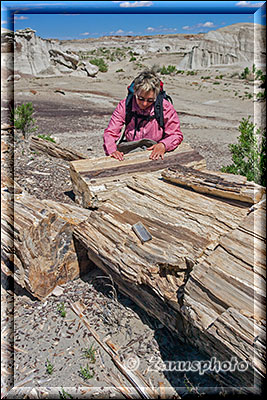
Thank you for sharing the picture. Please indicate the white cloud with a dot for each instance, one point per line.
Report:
(85, 34)
(3, 22)
(207, 24)
(20, 18)
(161, 29)
(135, 4)
(119, 32)
(249, 4)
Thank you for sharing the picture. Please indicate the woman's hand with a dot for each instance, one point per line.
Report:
(158, 151)
(118, 155)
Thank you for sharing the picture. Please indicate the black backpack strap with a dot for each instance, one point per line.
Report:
(158, 108)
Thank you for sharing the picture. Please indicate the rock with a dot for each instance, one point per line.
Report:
(229, 45)
(31, 52)
(89, 68)
(79, 72)
(37, 242)
(16, 77)
(94, 180)
(63, 58)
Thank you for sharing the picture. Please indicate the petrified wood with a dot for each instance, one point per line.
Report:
(184, 226)
(224, 298)
(197, 273)
(37, 242)
(94, 180)
(55, 150)
(220, 184)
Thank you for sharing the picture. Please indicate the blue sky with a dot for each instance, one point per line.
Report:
(85, 19)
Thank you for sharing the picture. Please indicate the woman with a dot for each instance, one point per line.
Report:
(146, 88)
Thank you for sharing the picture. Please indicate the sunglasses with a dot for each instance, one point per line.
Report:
(143, 99)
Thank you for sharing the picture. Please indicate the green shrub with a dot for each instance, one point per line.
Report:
(100, 63)
(191, 73)
(171, 69)
(249, 154)
(22, 118)
(46, 137)
(245, 73)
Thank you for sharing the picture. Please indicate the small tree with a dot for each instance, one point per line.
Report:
(249, 154)
(22, 118)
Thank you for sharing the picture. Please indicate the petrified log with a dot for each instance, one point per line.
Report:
(188, 231)
(184, 225)
(37, 242)
(224, 298)
(54, 150)
(224, 185)
(94, 180)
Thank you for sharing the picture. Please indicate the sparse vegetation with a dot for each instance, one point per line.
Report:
(49, 367)
(86, 372)
(61, 310)
(100, 63)
(90, 353)
(170, 70)
(22, 118)
(46, 137)
(255, 73)
(245, 73)
(64, 395)
(191, 73)
(249, 154)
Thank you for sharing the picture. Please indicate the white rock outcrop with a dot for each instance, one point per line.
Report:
(239, 44)
(229, 45)
(31, 52)
(33, 55)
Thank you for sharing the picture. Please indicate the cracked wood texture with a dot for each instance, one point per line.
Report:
(185, 226)
(168, 276)
(93, 180)
(54, 150)
(229, 186)
(224, 298)
(37, 242)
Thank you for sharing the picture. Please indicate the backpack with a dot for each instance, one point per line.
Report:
(139, 118)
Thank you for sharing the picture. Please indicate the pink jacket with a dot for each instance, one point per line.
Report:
(149, 129)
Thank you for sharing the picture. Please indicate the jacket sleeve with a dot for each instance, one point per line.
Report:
(173, 135)
(113, 132)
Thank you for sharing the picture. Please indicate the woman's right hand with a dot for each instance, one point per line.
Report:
(118, 155)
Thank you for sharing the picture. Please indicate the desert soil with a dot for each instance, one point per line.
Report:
(75, 111)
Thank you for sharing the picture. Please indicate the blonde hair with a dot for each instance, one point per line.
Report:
(146, 81)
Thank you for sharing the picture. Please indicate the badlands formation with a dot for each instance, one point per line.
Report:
(74, 100)
(207, 92)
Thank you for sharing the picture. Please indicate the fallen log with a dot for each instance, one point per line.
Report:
(224, 299)
(224, 185)
(184, 225)
(37, 243)
(93, 180)
(54, 150)
(187, 229)
(134, 377)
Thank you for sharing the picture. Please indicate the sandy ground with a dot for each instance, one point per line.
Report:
(210, 109)
(75, 111)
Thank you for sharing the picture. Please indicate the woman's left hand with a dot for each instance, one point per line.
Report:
(158, 151)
